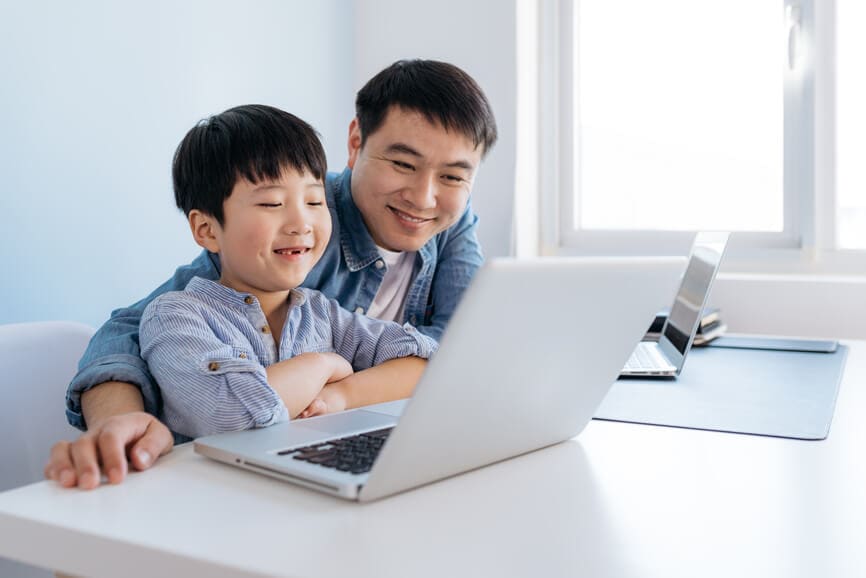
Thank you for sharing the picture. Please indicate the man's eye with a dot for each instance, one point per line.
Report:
(402, 165)
(453, 178)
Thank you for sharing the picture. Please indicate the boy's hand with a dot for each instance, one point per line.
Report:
(331, 399)
(135, 438)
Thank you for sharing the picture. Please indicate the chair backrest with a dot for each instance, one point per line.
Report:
(37, 361)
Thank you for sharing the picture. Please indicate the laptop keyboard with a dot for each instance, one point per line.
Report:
(354, 454)
(646, 357)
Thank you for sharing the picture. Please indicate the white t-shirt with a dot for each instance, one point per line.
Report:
(388, 304)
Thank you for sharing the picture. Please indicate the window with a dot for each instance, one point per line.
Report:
(657, 119)
(851, 126)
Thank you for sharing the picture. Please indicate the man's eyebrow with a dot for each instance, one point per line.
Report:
(399, 147)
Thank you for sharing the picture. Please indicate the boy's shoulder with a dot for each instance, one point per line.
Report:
(188, 299)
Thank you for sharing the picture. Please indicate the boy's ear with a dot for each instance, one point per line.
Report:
(354, 142)
(204, 227)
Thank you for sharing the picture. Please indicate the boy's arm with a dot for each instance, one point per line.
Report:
(384, 353)
(208, 385)
(393, 379)
(113, 354)
(459, 258)
(300, 379)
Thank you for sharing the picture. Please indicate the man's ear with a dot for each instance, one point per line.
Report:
(354, 142)
(204, 228)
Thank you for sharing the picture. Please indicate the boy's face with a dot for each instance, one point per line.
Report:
(273, 233)
(411, 179)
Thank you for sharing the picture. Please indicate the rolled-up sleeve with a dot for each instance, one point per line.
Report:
(367, 342)
(208, 386)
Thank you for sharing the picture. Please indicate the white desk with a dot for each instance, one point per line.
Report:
(622, 501)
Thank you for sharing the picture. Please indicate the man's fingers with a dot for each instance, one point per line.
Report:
(111, 444)
(83, 452)
(60, 467)
(156, 441)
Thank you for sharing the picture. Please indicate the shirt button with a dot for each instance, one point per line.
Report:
(243, 355)
(413, 320)
(213, 366)
(379, 264)
(359, 310)
(248, 300)
(266, 329)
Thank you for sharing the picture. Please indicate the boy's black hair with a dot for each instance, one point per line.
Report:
(255, 142)
(443, 93)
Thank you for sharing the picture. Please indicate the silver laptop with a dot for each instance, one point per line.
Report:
(531, 351)
(667, 357)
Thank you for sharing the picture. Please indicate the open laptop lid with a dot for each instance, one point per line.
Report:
(681, 325)
(531, 351)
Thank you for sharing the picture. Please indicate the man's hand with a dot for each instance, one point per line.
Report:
(137, 438)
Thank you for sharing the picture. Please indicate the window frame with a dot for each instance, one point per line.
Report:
(807, 242)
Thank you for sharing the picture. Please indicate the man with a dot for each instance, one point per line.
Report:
(403, 248)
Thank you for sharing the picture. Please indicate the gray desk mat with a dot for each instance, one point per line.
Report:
(773, 393)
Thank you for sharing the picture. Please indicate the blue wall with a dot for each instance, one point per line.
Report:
(95, 97)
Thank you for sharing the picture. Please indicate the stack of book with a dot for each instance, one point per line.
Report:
(711, 326)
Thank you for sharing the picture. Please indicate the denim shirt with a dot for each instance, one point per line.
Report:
(346, 272)
(209, 346)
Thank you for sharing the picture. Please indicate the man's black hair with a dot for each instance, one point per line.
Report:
(255, 142)
(443, 93)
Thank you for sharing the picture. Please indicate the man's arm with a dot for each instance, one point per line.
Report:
(110, 391)
(114, 412)
(113, 354)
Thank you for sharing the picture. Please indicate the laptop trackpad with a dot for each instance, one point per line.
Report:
(350, 421)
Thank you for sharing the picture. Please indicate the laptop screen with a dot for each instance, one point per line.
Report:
(685, 314)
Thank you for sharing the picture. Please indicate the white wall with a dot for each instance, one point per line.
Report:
(479, 37)
(95, 97)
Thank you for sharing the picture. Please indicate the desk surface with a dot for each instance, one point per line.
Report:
(622, 500)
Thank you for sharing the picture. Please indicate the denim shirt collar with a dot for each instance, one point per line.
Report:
(358, 246)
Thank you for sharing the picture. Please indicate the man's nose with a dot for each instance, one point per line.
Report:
(422, 195)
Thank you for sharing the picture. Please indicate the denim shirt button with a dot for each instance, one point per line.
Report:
(379, 264)
(413, 320)
(359, 310)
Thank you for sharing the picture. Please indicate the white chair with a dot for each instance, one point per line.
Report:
(37, 361)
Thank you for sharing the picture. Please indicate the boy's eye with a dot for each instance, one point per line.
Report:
(270, 204)
(315, 203)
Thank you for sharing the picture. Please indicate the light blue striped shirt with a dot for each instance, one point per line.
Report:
(208, 347)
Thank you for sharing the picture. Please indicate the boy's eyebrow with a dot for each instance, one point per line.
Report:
(268, 186)
(399, 147)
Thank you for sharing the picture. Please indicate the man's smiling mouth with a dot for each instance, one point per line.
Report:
(406, 216)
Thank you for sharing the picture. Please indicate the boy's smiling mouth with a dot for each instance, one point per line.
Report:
(293, 251)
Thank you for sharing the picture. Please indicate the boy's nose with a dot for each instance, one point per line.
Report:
(298, 228)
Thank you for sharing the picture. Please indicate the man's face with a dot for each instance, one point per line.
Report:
(411, 179)
(273, 233)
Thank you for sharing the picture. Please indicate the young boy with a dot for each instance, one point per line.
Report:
(254, 349)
